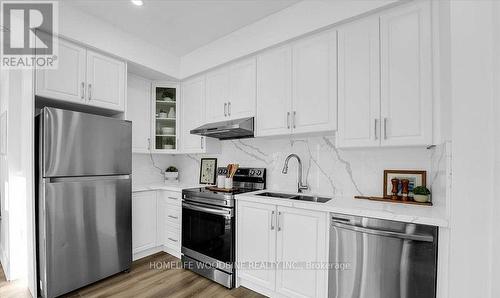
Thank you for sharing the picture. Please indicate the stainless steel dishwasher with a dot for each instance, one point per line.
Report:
(374, 258)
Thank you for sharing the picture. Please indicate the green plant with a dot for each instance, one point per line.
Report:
(421, 190)
(171, 169)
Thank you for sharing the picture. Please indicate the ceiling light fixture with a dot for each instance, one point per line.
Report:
(137, 2)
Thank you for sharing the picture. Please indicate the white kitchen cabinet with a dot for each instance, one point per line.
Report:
(256, 232)
(301, 239)
(217, 93)
(274, 92)
(230, 92)
(84, 77)
(406, 75)
(139, 112)
(193, 105)
(169, 221)
(297, 87)
(242, 89)
(106, 81)
(166, 125)
(314, 83)
(144, 217)
(280, 235)
(359, 84)
(67, 82)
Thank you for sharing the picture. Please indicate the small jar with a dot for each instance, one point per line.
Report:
(228, 183)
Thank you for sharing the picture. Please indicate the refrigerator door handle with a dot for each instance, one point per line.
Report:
(86, 178)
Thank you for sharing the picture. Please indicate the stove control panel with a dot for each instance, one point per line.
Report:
(245, 172)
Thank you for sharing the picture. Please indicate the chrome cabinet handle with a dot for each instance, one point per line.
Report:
(90, 91)
(385, 128)
(279, 226)
(172, 198)
(288, 120)
(225, 109)
(171, 239)
(294, 118)
(174, 217)
(201, 142)
(376, 131)
(83, 90)
(229, 108)
(272, 220)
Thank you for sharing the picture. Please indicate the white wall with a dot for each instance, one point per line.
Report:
(473, 151)
(17, 177)
(292, 22)
(146, 168)
(84, 28)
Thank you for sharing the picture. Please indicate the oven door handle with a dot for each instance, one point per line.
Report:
(223, 212)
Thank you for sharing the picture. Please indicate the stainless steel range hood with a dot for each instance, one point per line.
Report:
(226, 130)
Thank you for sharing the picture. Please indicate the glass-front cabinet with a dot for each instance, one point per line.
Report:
(165, 126)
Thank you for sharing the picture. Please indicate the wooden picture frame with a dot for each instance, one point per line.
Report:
(208, 171)
(416, 177)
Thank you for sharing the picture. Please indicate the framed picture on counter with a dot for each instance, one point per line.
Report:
(208, 170)
(415, 178)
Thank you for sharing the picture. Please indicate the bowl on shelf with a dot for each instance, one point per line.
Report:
(167, 130)
(162, 115)
(168, 146)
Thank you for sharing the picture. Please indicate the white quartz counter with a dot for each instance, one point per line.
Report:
(177, 187)
(391, 211)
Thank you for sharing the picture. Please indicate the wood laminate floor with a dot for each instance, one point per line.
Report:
(144, 280)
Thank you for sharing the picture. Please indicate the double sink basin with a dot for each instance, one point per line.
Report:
(294, 197)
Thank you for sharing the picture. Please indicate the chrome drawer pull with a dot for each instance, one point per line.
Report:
(174, 217)
(172, 239)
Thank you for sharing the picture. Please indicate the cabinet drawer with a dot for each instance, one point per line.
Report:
(171, 197)
(173, 215)
(172, 237)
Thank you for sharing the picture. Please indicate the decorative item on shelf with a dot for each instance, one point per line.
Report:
(208, 169)
(394, 191)
(162, 114)
(171, 174)
(168, 144)
(405, 189)
(231, 171)
(421, 194)
(171, 113)
(221, 181)
(167, 130)
(415, 178)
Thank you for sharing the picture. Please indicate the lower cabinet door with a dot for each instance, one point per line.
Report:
(143, 220)
(256, 243)
(301, 248)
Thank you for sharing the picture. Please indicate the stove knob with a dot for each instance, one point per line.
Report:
(259, 172)
(252, 172)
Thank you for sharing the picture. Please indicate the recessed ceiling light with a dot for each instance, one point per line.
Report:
(137, 2)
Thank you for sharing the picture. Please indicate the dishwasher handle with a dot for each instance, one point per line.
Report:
(423, 238)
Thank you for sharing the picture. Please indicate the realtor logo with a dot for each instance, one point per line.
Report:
(29, 32)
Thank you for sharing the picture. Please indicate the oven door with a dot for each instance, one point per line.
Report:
(208, 234)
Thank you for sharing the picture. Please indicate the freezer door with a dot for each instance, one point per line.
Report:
(86, 231)
(80, 144)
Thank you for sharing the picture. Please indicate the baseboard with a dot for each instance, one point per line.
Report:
(256, 288)
(172, 252)
(147, 252)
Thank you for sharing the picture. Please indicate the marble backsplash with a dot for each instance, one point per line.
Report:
(327, 170)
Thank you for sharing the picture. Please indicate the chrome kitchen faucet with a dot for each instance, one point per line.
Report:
(300, 186)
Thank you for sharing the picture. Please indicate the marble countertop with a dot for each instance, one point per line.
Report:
(399, 212)
(177, 187)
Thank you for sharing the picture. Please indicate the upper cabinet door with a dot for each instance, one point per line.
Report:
(315, 83)
(359, 84)
(274, 92)
(301, 239)
(406, 70)
(242, 87)
(139, 112)
(193, 101)
(217, 85)
(105, 81)
(67, 82)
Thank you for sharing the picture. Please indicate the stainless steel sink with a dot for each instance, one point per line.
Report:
(294, 197)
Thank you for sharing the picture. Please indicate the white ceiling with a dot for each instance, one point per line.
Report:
(180, 26)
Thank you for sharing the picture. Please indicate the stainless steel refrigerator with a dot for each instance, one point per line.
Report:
(83, 202)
